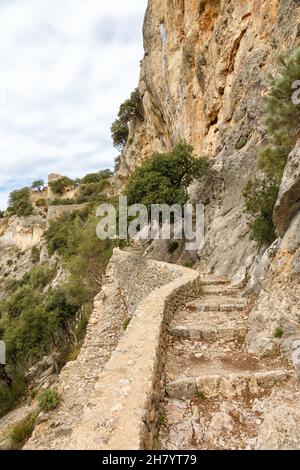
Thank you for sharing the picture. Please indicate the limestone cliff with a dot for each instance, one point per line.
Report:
(202, 80)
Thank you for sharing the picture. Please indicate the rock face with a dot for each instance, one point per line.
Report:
(278, 302)
(202, 80)
(288, 203)
(23, 233)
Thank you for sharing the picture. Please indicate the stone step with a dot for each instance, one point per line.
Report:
(208, 281)
(227, 385)
(206, 331)
(217, 304)
(220, 290)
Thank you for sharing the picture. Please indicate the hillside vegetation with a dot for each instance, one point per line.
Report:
(46, 311)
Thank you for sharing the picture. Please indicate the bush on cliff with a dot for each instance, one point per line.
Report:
(283, 125)
(283, 116)
(48, 400)
(261, 196)
(96, 177)
(129, 110)
(19, 203)
(164, 178)
(38, 185)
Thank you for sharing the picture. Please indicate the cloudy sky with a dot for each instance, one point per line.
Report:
(65, 67)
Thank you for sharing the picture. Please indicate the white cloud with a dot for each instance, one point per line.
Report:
(65, 67)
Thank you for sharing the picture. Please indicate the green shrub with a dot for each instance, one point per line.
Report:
(189, 264)
(19, 203)
(272, 159)
(126, 323)
(241, 142)
(117, 163)
(40, 276)
(2, 214)
(278, 333)
(59, 186)
(283, 116)
(283, 122)
(63, 202)
(58, 307)
(96, 177)
(35, 254)
(30, 335)
(261, 196)
(22, 431)
(48, 400)
(11, 393)
(164, 178)
(91, 191)
(81, 328)
(22, 298)
(129, 110)
(38, 185)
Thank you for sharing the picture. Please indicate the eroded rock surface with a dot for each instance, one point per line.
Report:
(288, 203)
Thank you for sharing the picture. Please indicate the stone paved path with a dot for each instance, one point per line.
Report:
(217, 395)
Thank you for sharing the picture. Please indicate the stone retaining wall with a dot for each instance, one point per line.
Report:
(123, 410)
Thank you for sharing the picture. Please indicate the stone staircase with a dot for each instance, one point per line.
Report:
(215, 390)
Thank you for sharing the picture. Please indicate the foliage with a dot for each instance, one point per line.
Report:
(283, 116)
(38, 185)
(35, 254)
(48, 400)
(28, 337)
(278, 333)
(96, 177)
(37, 318)
(2, 214)
(241, 142)
(117, 163)
(19, 203)
(283, 123)
(189, 264)
(91, 192)
(261, 196)
(12, 392)
(63, 202)
(74, 238)
(91, 187)
(129, 110)
(57, 306)
(126, 323)
(33, 316)
(164, 178)
(59, 186)
(22, 431)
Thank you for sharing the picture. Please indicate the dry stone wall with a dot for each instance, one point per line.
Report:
(111, 394)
